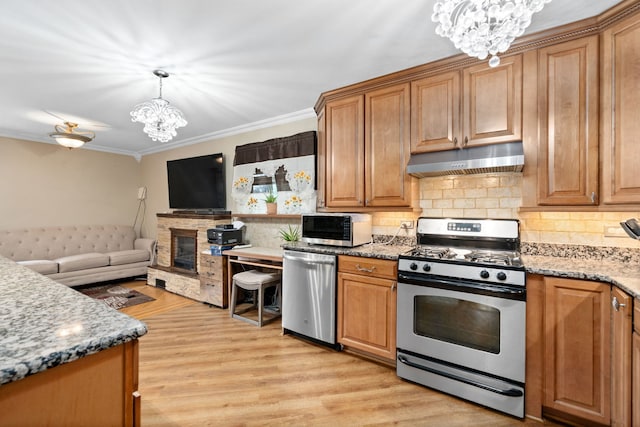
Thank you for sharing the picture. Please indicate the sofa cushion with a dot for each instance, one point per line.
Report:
(81, 262)
(128, 256)
(42, 266)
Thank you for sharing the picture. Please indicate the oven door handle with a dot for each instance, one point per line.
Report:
(481, 288)
(511, 392)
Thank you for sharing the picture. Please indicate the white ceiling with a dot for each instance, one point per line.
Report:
(233, 64)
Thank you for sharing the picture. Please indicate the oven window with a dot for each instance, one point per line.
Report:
(456, 321)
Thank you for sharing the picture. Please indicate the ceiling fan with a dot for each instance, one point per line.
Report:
(69, 137)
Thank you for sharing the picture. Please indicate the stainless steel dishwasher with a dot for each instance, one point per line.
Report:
(309, 295)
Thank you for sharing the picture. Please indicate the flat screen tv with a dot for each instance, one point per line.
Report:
(197, 183)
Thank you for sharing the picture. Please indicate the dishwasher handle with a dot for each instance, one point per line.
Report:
(310, 260)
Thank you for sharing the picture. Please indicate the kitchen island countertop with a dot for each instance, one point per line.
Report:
(44, 324)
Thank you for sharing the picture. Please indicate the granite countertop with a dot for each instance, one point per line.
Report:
(626, 276)
(617, 267)
(44, 324)
(369, 250)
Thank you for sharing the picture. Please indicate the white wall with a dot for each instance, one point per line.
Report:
(48, 185)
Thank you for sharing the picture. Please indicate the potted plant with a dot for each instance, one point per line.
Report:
(270, 200)
(290, 234)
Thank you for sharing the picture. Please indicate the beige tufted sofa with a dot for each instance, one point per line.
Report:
(77, 255)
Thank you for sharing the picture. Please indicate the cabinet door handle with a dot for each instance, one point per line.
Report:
(364, 269)
(393, 287)
(593, 197)
(466, 141)
(617, 304)
(455, 141)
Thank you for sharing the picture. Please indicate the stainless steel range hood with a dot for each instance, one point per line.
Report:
(507, 157)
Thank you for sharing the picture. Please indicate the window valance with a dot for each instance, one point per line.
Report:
(298, 145)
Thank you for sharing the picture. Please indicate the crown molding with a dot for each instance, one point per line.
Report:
(307, 113)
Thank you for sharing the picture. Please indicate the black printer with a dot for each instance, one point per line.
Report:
(224, 235)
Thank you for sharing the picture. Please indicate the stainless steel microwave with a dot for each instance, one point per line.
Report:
(336, 229)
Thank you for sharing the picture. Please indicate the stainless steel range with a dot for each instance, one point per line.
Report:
(461, 311)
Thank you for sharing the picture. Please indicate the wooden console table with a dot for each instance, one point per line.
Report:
(253, 256)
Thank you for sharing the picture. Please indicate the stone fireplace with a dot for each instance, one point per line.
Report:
(186, 226)
(184, 262)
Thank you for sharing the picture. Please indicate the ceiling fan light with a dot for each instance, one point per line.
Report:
(67, 137)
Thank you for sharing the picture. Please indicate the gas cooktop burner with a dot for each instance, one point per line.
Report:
(489, 257)
(473, 256)
(427, 252)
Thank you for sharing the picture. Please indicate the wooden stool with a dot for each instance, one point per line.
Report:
(254, 280)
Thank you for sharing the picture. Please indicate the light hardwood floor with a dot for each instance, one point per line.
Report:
(199, 367)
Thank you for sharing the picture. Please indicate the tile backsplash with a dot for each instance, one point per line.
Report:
(494, 195)
(498, 195)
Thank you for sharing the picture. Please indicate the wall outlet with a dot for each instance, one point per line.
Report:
(614, 231)
(406, 224)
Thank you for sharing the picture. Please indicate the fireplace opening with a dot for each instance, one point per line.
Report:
(184, 247)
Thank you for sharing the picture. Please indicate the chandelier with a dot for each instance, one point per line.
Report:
(70, 138)
(484, 27)
(160, 119)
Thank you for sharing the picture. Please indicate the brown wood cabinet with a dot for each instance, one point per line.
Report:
(577, 359)
(213, 280)
(478, 105)
(387, 146)
(635, 376)
(344, 176)
(367, 305)
(96, 390)
(435, 113)
(579, 352)
(622, 338)
(364, 149)
(620, 127)
(568, 88)
(321, 159)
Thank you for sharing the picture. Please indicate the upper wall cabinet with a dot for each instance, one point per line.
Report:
(568, 123)
(366, 150)
(478, 105)
(387, 146)
(344, 177)
(620, 106)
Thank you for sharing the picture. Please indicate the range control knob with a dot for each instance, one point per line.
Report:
(426, 267)
(413, 266)
(484, 274)
(502, 275)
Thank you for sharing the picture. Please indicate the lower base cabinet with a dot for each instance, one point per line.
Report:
(96, 390)
(367, 306)
(213, 280)
(579, 343)
(635, 377)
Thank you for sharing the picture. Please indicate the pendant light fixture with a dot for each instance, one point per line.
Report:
(484, 27)
(160, 119)
(69, 137)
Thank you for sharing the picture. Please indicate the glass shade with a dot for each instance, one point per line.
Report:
(160, 119)
(484, 27)
(69, 142)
